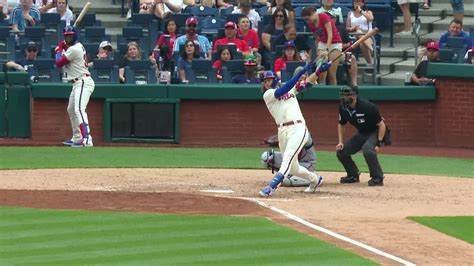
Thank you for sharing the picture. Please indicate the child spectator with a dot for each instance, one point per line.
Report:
(250, 75)
(289, 53)
(224, 56)
(244, 32)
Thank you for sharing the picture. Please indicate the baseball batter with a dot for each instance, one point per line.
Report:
(306, 158)
(292, 132)
(71, 55)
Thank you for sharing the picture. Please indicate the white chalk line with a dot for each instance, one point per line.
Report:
(331, 233)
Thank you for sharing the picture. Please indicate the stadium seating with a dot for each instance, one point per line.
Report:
(287, 72)
(53, 27)
(447, 55)
(133, 33)
(200, 71)
(150, 26)
(104, 71)
(211, 26)
(94, 35)
(459, 47)
(44, 71)
(37, 34)
(232, 68)
(225, 11)
(180, 19)
(140, 72)
(7, 44)
(204, 11)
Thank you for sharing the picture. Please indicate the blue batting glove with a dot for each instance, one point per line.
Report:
(309, 66)
(323, 68)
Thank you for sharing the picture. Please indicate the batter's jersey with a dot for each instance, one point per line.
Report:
(284, 108)
(77, 67)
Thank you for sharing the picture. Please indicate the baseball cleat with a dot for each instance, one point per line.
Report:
(77, 145)
(349, 179)
(375, 182)
(68, 142)
(314, 185)
(266, 192)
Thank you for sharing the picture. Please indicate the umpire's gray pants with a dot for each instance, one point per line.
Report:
(366, 143)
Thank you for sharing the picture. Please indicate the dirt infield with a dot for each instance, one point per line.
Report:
(373, 215)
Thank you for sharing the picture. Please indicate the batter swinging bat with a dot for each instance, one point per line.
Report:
(86, 7)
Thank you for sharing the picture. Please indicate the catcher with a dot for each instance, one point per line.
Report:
(307, 158)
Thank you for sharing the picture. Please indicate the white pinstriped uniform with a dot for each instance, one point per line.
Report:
(291, 138)
(82, 88)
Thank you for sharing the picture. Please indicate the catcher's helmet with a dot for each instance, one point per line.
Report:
(267, 158)
(70, 30)
(348, 91)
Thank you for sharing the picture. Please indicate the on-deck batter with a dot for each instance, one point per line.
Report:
(71, 55)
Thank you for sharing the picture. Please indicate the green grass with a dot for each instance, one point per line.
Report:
(236, 158)
(40, 236)
(461, 227)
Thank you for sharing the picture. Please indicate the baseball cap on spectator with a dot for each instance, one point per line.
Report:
(432, 45)
(289, 44)
(230, 24)
(31, 45)
(106, 45)
(250, 60)
(191, 21)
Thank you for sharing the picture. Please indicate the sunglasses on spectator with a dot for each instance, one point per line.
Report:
(280, 16)
(189, 45)
(31, 50)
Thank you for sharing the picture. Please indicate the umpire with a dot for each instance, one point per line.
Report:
(371, 135)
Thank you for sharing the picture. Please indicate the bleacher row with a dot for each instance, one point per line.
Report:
(145, 29)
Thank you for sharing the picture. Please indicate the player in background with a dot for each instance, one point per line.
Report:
(292, 132)
(71, 56)
(307, 158)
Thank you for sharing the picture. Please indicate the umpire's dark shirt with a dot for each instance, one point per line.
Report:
(365, 116)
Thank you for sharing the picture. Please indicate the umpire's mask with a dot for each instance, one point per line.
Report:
(347, 95)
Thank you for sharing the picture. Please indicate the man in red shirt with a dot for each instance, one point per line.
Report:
(328, 39)
(231, 38)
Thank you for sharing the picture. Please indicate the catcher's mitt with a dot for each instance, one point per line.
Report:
(272, 140)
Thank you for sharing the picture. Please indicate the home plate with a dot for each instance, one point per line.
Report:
(217, 190)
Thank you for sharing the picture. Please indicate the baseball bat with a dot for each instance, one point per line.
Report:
(354, 45)
(84, 10)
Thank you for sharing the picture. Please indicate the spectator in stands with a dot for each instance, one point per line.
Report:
(359, 22)
(458, 9)
(224, 56)
(105, 51)
(249, 36)
(189, 53)
(286, 6)
(245, 7)
(250, 76)
(328, 38)
(187, 4)
(31, 54)
(133, 53)
(425, 5)
(63, 10)
(455, 30)
(405, 7)
(227, 3)
(24, 15)
(231, 38)
(289, 53)
(162, 8)
(328, 7)
(165, 44)
(205, 48)
(279, 20)
(419, 76)
(290, 34)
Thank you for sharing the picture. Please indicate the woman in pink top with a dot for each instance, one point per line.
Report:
(330, 42)
(165, 44)
(289, 54)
